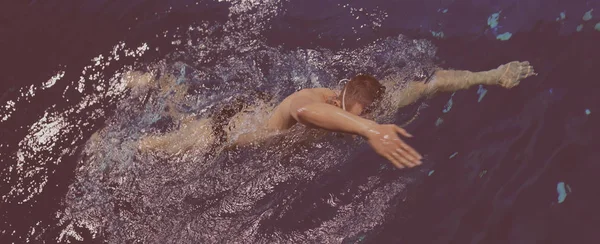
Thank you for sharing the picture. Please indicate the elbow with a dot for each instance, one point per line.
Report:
(301, 114)
(303, 110)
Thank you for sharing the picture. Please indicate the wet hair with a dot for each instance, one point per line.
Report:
(363, 89)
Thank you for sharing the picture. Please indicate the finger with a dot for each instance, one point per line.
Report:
(531, 71)
(406, 154)
(394, 161)
(405, 148)
(403, 132)
(403, 160)
(411, 151)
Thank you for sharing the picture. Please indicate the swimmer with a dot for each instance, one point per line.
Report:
(341, 111)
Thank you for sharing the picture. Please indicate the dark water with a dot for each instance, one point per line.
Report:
(502, 166)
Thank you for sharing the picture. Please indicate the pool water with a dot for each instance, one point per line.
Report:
(85, 84)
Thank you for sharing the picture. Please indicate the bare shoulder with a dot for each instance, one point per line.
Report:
(316, 93)
(282, 119)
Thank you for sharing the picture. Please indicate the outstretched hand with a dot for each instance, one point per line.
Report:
(514, 72)
(385, 141)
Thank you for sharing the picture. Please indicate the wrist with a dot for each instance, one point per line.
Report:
(498, 74)
(368, 129)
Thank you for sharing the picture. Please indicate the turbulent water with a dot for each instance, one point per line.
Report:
(179, 193)
(176, 192)
(114, 144)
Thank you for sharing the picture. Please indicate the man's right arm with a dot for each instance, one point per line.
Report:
(383, 138)
(322, 115)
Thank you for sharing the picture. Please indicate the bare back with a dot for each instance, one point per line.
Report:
(281, 119)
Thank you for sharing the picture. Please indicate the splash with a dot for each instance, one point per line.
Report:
(155, 166)
(504, 37)
(439, 34)
(55, 129)
(562, 16)
(493, 20)
(449, 104)
(166, 141)
(588, 15)
(563, 190)
(481, 91)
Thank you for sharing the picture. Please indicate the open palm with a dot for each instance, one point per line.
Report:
(385, 141)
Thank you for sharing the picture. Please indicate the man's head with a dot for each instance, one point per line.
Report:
(360, 93)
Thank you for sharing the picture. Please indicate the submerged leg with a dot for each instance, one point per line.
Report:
(194, 135)
(508, 75)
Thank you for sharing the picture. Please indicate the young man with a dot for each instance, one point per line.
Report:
(340, 111)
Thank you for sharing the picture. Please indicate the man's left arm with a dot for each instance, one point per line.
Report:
(508, 76)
